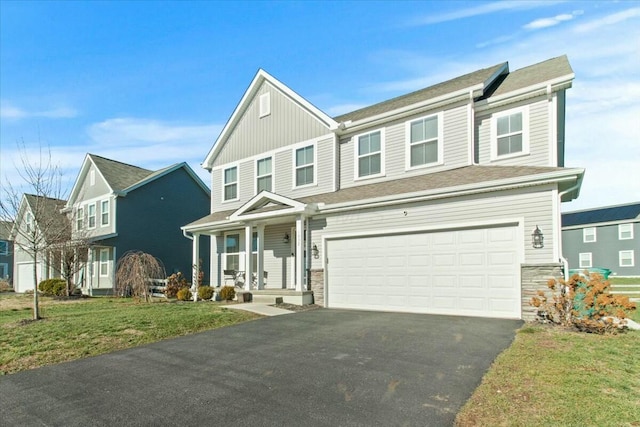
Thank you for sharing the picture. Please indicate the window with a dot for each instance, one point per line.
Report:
(29, 221)
(231, 183)
(4, 270)
(79, 218)
(625, 259)
(625, 231)
(254, 252)
(232, 251)
(104, 262)
(4, 247)
(265, 104)
(104, 212)
(264, 177)
(510, 133)
(585, 260)
(305, 166)
(91, 215)
(589, 235)
(424, 146)
(369, 154)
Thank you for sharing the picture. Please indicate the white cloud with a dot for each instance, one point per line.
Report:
(609, 20)
(548, 22)
(11, 112)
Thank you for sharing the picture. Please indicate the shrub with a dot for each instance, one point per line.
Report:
(584, 303)
(5, 285)
(175, 282)
(184, 294)
(54, 287)
(205, 292)
(227, 293)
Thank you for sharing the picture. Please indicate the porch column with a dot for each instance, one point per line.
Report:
(308, 257)
(299, 252)
(248, 268)
(195, 266)
(89, 273)
(260, 266)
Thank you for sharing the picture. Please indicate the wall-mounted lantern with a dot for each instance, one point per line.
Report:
(315, 251)
(285, 239)
(537, 238)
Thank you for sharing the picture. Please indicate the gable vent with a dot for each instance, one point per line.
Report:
(265, 104)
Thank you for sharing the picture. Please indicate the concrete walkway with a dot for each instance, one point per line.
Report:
(260, 308)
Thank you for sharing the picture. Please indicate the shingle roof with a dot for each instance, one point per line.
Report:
(453, 85)
(47, 212)
(117, 174)
(446, 179)
(5, 230)
(605, 214)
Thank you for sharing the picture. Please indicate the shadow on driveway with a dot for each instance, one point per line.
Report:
(315, 368)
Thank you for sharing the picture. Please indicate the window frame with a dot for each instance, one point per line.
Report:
(630, 252)
(621, 231)
(103, 212)
(264, 106)
(103, 263)
(312, 165)
(585, 235)
(29, 222)
(357, 156)
(94, 216)
(525, 133)
(4, 266)
(225, 184)
(237, 254)
(590, 257)
(439, 139)
(4, 247)
(271, 174)
(79, 218)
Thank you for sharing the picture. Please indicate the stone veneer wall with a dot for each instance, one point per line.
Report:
(535, 277)
(317, 286)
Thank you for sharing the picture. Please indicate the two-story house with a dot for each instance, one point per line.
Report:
(606, 237)
(6, 251)
(39, 226)
(445, 200)
(117, 208)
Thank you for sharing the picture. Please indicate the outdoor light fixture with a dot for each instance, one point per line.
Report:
(537, 238)
(316, 252)
(285, 239)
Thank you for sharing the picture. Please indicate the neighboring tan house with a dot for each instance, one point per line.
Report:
(607, 237)
(424, 203)
(39, 225)
(119, 208)
(6, 251)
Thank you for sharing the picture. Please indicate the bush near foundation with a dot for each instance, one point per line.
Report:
(583, 302)
(227, 293)
(175, 282)
(205, 292)
(184, 294)
(53, 287)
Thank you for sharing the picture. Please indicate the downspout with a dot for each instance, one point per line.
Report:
(565, 262)
(472, 134)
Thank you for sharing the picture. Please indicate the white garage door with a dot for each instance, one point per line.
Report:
(473, 272)
(24, 279)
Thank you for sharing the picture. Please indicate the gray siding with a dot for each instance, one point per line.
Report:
(88, 191)
(534, 205)
(287, 124)
(539, 144)
(604, 251)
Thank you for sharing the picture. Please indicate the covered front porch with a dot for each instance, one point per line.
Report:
(269, 237)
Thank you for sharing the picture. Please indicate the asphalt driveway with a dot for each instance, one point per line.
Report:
(315, 368)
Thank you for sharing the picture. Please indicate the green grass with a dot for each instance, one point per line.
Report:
(550, 376)
(89, 327)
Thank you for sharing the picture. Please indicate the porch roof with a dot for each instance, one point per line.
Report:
(470, 178)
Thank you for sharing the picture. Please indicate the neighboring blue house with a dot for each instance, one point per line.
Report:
(120, 207)
(606, 237)
(6, 251)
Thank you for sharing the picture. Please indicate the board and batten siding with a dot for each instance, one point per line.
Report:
(455, 148)
(539, 144)
(287, 124)
(534, 205)
(98, 189)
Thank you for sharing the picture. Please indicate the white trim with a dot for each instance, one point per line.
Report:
(631, 257)
(271, 174)
(542, 88)
(265, 104)
(439, 141)
(237, 183)
(588, 257)
(630, 230)
(586, 235)
(598, 224)
(102, 212)
(555, 225)
(524, 110)
(95, 215)
(92, 177)
(240, 234)
(314, 164)
(101, 262)
(553, 130)
(79, 209)
(356, 155)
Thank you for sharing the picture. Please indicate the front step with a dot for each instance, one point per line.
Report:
(267, 299)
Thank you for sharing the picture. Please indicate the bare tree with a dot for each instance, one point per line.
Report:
(44, 226)
(135, 273)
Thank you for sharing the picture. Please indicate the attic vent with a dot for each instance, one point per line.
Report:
(265, 104)
(92, 177)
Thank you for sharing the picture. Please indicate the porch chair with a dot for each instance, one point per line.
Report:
(254, 280)
(230, 275)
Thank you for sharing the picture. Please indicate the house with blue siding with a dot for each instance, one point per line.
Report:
(445, 200)
(118, 207)
(6, 251)
(605, 237)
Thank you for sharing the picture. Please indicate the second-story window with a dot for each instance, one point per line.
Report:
(424, 145)
(589, 234)
(625, 231)
(79, 218)
(29, 222)
(369, 154)
(264, 176)
(104, 212)
(510, 133)
(231, 183)
(4, 248)
(304, 166)
(91, 215)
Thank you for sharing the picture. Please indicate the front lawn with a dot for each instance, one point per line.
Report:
(87, 327)
(551, 376)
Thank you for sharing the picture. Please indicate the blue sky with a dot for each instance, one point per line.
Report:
(153, 83)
